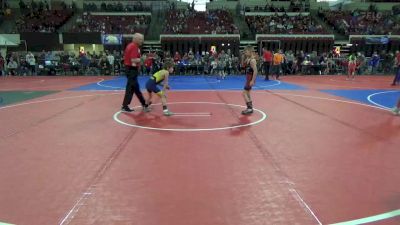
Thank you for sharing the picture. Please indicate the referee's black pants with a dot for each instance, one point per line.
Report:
(132, 86)
(397, 76)
(267, 68)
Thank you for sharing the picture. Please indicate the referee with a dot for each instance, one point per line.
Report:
(132, 66)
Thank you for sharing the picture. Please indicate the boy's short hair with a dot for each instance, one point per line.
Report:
(168, 64)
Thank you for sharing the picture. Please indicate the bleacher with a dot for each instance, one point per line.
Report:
(186, 22)
(46, 21)
(283, 23)
(112, 23)
(362, 22)
(116, 7)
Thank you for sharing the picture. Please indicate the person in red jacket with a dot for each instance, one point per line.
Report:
(148, 62)
(396, 79)
(132, 65)
(177, 58)
(267, 61)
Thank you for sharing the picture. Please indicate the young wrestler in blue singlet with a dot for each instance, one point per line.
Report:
(160, 77)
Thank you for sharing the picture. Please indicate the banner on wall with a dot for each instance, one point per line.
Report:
(82, 38)
(10, 39)
(38, 41)
(377, 40)
(111, 39)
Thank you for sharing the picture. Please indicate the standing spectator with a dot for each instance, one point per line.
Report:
(267, 61)
(142, 67)
(351, 67)
(313, 58)
(396, 79)
(111, 60)
(361, 63)
(221, 67)
(383, 61)
(229, 65)
(277, 64)
(289, 62)
(2, 63)
(23, 68)
(323, 64)
(300, 59)
(148, 63)
(85, 61)
(31, 61)
(374, 63)
(331, 65)
(104, 65)
(387, 63)
(236, 65)
(214, 66)
(74, 64)
(206, 63)
(198, 63)
(93, 67)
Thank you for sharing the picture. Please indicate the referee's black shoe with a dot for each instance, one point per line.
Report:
(126, 109)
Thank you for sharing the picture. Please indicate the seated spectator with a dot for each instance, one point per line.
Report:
(374, 63)
(12, 67)
(104, 66)
(93, 67)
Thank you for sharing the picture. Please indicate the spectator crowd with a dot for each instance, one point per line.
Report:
(192, 22)
(214, 63)
(111, 24)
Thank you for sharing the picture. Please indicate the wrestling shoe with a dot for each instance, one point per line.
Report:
(167, 113)
(396, 111)
(247, 111)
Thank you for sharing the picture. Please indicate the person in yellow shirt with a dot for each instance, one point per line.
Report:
(160, 77)
(277, 64)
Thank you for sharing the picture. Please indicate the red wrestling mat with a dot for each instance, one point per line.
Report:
(313, 158)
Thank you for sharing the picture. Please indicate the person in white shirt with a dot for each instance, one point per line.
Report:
(31, 61)
(111, 59)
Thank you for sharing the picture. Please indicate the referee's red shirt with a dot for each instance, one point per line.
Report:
(267, 56)
(132, 51)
